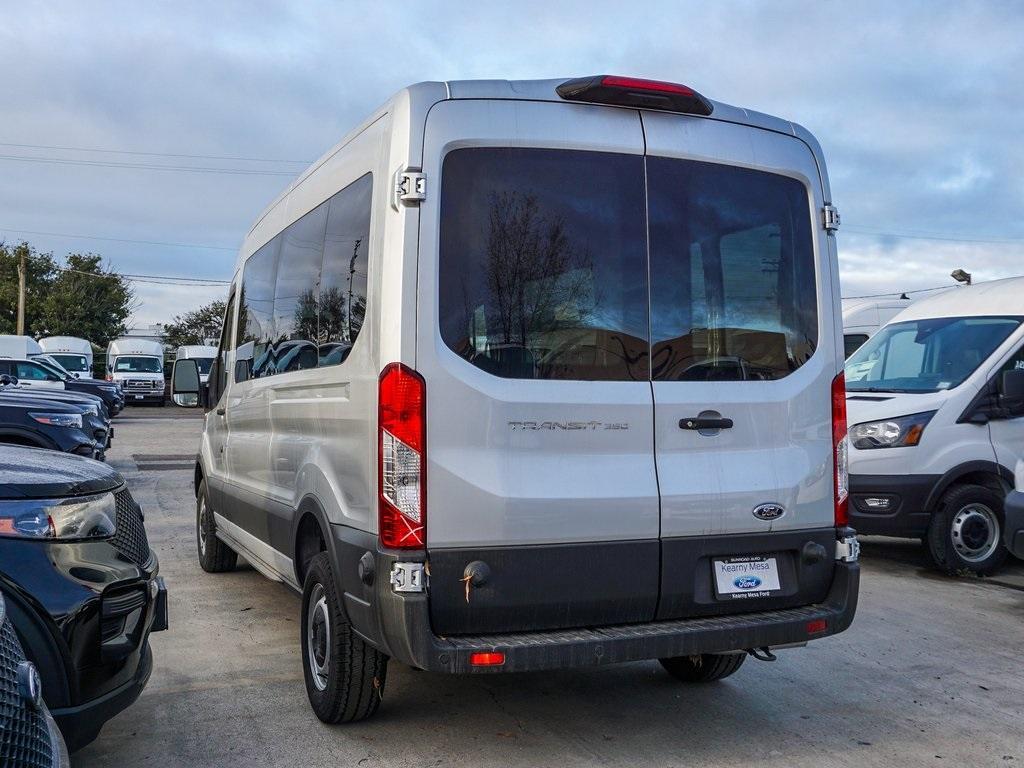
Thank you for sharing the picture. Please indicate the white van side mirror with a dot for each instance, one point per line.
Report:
(185, 383)
(1011, 387)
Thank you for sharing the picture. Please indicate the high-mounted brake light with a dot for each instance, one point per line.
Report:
(841, 450)
(402, 454)
(635, 92)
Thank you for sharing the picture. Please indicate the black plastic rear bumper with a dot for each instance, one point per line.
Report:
(1014, 510)
(400, 625)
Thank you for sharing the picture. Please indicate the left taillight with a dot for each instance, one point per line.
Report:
(841, 450)
(401, 462)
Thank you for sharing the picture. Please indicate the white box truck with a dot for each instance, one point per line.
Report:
(138, 366)
(72, 352)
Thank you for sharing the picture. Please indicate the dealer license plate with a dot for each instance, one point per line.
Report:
(737, 578)
(138, 397)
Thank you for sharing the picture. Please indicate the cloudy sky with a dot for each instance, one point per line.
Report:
(918, 105)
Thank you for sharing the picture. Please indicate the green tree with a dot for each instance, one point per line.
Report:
(196, 327)
(86, 300)
(40, 274)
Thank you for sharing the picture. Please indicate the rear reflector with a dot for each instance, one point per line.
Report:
(817, 626)
(489, 659)
(635, 92)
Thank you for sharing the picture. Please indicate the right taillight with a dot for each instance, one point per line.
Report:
(841, 450)
(401, 450)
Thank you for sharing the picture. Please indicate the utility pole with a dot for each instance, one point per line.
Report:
(21, 291)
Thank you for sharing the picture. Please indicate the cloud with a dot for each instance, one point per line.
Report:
(917, 106)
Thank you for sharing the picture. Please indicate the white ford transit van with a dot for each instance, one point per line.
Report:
(527, 375)
(936, 407)
(137, 365)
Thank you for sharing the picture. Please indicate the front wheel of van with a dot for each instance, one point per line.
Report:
(344, 676)
(214, 555)
(704, 668)
(966, 532)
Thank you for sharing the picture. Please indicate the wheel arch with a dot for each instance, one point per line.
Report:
(311, 534)
(988, 474)
(32, 439)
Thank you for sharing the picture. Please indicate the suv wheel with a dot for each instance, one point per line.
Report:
(705, 668)
(966, 533)
(344, 676)
(214, 555)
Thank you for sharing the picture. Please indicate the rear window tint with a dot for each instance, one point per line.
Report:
(543, 266)
(733, 293)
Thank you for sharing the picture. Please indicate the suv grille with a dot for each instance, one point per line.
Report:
(130, 538)
(24, 734)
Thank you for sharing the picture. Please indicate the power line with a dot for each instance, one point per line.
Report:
(120, 240)
(953, 238)
(153, 154)
(146, 167)
(198, 282)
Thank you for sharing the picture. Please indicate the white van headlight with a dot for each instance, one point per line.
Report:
(88, 517)
(901, 432)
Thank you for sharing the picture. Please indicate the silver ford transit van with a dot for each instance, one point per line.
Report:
(527, 375)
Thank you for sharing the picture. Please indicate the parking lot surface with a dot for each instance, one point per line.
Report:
(929, 674)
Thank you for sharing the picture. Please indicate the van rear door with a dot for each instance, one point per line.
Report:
(742, 359)
(532, 277)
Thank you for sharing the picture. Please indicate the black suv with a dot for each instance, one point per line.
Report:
(43, 370)
(29, 738)
(47, 423)
(81, 584)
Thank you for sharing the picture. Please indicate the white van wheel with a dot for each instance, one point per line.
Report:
(344, 676)
(966, 533)
(214, 555)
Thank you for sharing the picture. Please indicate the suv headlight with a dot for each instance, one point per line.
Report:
(59, 419)
(901, 432)
(109, 388)
(84, 517)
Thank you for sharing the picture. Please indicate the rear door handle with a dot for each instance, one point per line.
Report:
(703, 422)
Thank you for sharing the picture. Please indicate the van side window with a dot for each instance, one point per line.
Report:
(343, 280)
(256, 308)
(543, 264)
(297, 294)
(733, 290)
(852, 342)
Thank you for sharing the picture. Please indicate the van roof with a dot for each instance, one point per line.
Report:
(416, 100)
(995, 297)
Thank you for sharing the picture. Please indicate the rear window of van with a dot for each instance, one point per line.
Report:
(560, 264)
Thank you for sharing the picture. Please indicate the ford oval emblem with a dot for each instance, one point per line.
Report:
(746, 582)
(769, 511)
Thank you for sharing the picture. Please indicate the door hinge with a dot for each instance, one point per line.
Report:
(830, 214)
(410, 188)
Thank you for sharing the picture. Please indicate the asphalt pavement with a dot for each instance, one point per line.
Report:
(930, 674)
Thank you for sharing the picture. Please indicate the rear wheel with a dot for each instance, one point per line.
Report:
(966, 533)
(214, 555)
(704, 668)
(344, 676)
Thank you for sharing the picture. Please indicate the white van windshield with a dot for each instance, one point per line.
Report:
(133, 364)
(926, 355)
(73, 362)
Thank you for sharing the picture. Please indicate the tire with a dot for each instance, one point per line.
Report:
(705, 668)
(214, 555)
(344, 676)
(966, 531)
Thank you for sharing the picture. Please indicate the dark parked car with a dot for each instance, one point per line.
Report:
(81, 584)
(1014, 511)
(109, 392)
(29, 737)
(95, 418)
(42, 423)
